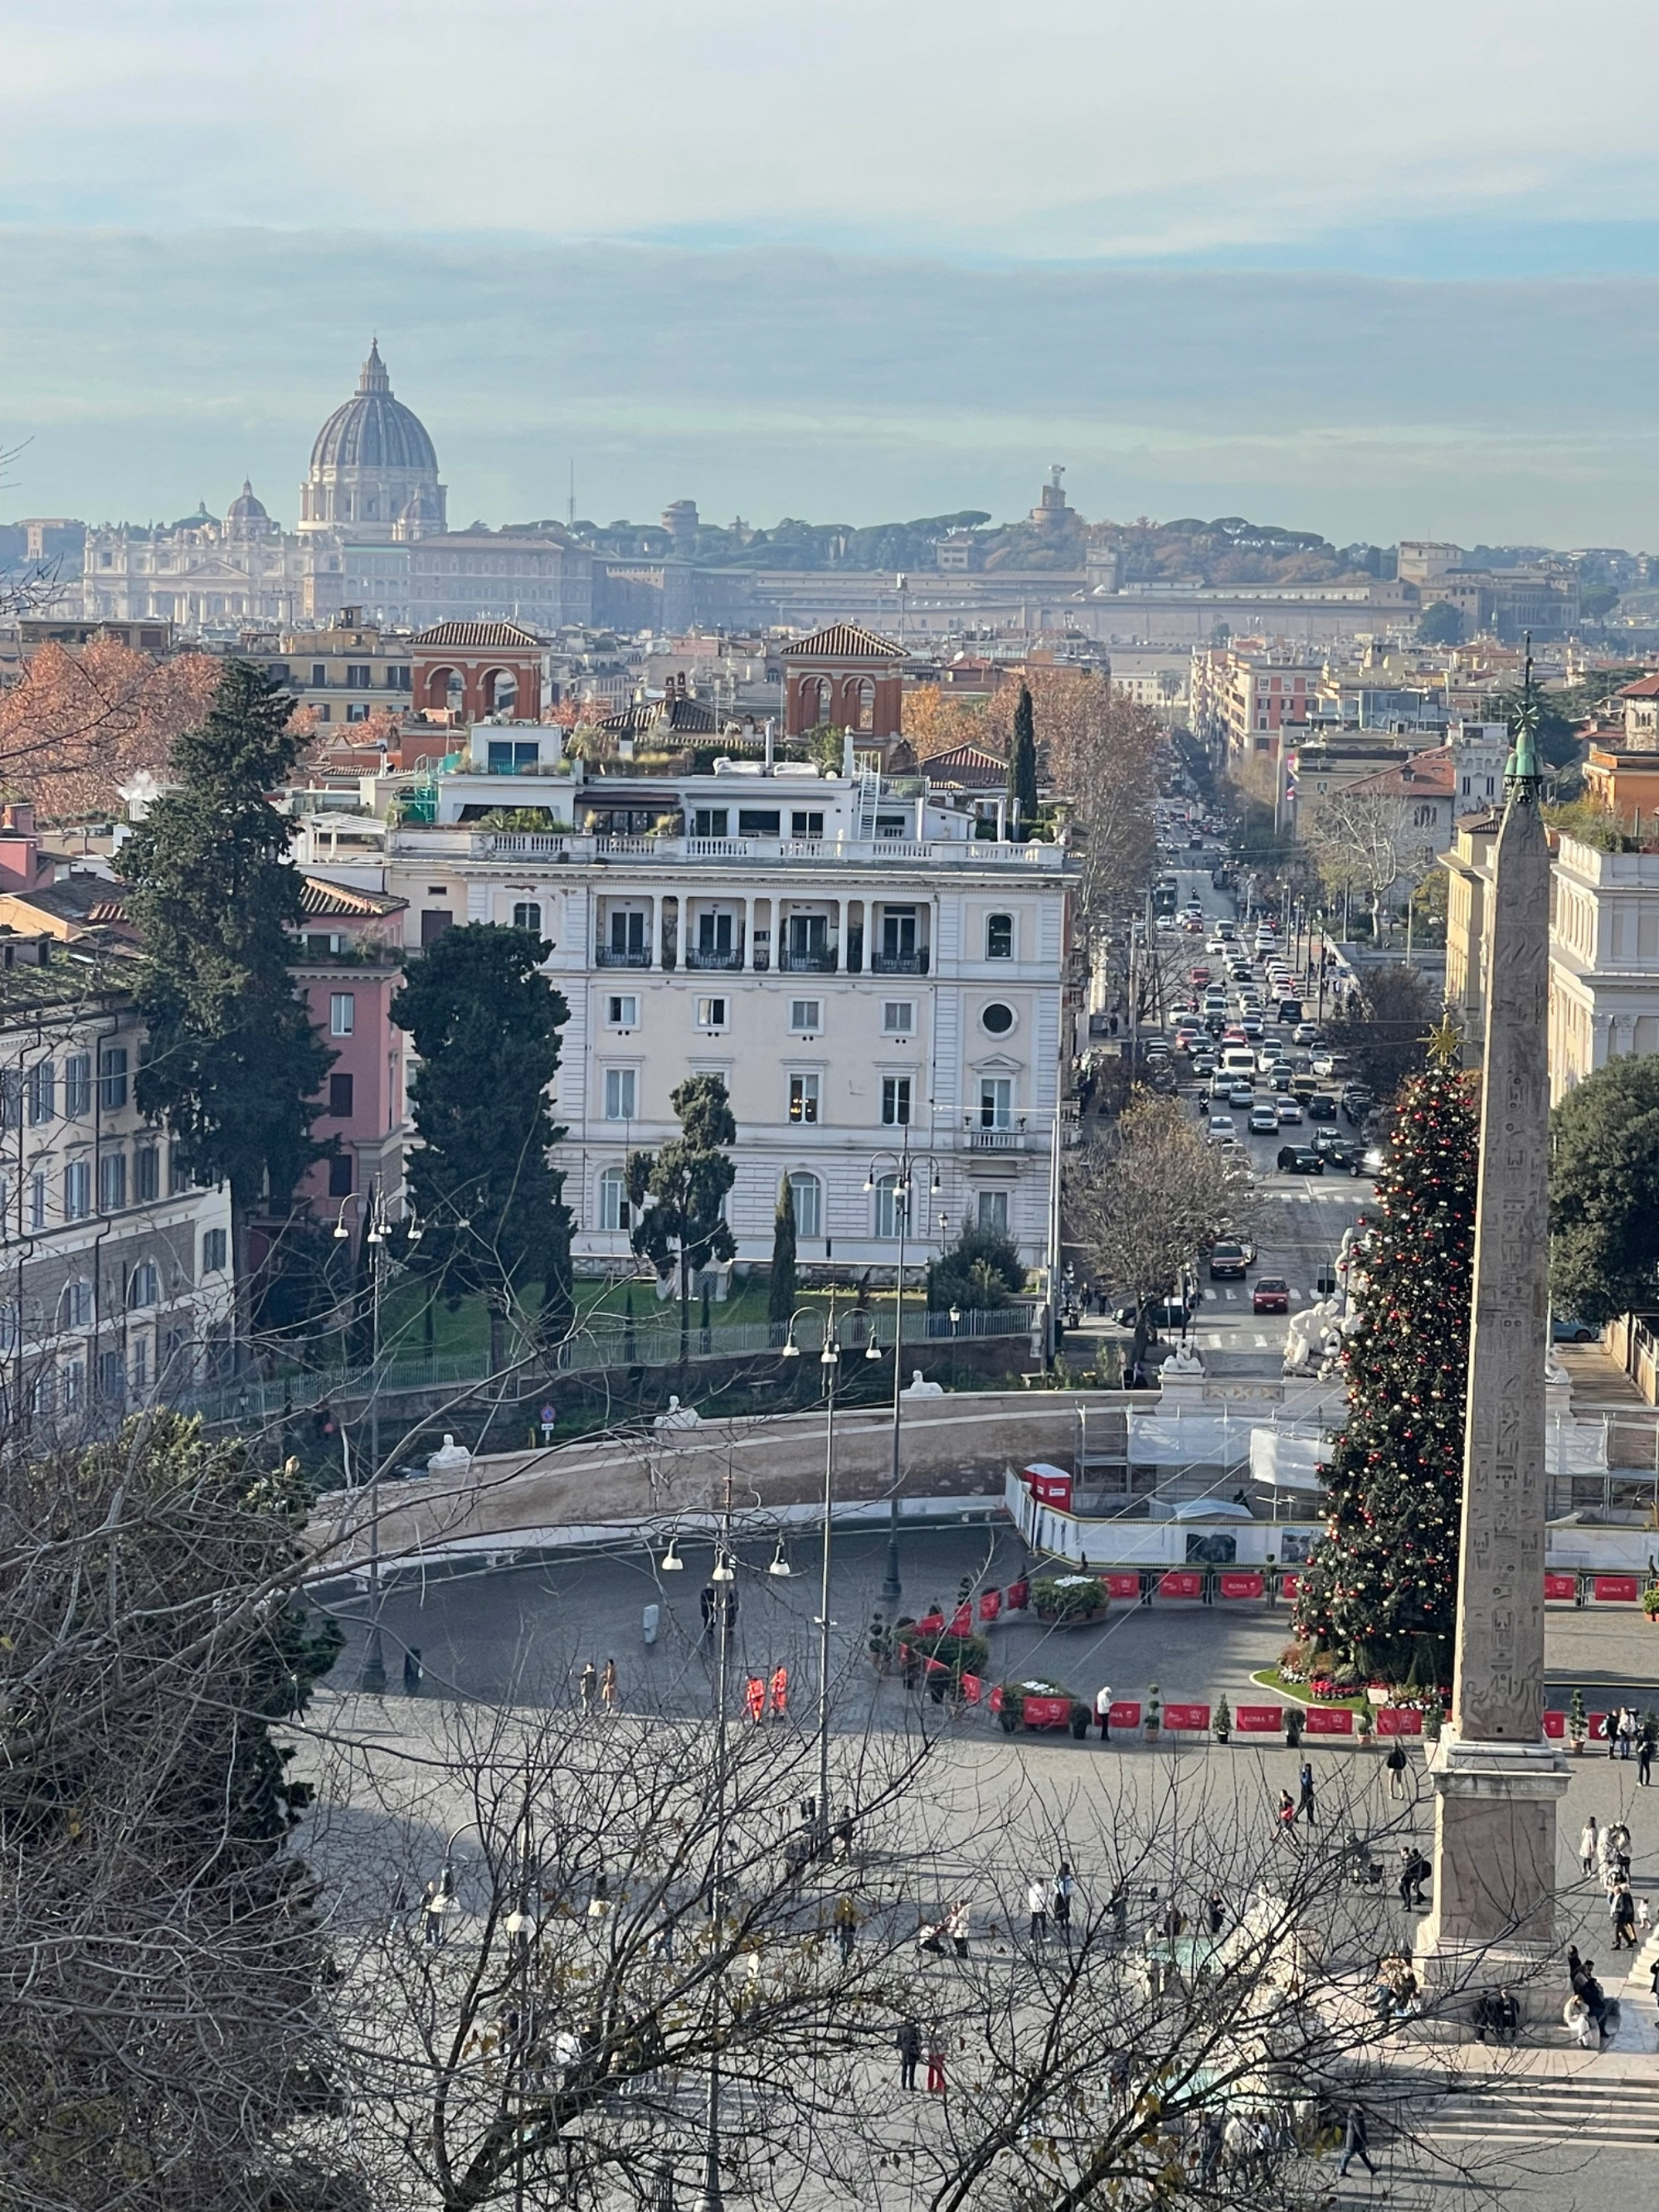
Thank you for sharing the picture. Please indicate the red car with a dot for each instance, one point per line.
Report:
(1271, 1295)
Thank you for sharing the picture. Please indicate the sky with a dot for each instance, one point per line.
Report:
(1377, 275)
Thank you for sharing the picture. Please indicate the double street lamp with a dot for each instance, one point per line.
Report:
(906, 1167)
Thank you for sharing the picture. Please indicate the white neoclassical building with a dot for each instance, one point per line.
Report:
(867, 974)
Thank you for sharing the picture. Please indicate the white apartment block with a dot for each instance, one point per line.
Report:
(115, 1272)
(866, 971)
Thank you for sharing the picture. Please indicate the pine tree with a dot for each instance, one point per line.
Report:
(780, 1289)
(1381, 1589)
(685, 1229)
(1022, 767)
(486, 1024)
(234, 1065)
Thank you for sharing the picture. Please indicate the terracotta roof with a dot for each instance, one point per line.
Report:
(1427, 775)
(969, 767)
(687, 717)
(320, 900)
(505, 635)
(844, 640)
(1645, 687)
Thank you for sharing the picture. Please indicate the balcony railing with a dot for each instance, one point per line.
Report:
(726, 962)
(995, 1141)
(427, 838)
(612, 956)
(900, 963)
(821, 963)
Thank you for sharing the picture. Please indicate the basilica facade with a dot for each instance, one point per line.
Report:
(373, 535)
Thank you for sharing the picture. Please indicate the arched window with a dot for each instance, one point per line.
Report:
(75, 1306)
(501, 690)
(143, 1285)
(999, 937)
(861, 704)
(615, 1212)
(809, 1204)
(821, 697)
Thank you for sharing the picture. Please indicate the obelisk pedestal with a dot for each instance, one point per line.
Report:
(1496, 1779)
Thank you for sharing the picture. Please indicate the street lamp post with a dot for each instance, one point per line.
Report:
(710, 2197)
(830, 1361)
(893, 1588)
(372, 1677)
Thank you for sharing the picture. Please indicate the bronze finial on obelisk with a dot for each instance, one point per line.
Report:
(1495, 1777)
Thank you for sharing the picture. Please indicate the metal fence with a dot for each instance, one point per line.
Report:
(600, 1342)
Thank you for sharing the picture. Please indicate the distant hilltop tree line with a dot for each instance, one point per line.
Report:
(1231, 550)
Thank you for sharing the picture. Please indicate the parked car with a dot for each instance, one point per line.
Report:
(1300, 1159)
(1227, 1263)
(1356, 1104)
(1288, 1111)
(1567, 1328)
(1163, 1313)
(1271, 1295)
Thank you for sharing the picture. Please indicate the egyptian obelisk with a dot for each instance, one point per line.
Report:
(1495, 1777)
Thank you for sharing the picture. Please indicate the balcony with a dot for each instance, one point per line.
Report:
(900, 963)
(977, 1139)
(820, 963)
(611, 956)
(721, 962)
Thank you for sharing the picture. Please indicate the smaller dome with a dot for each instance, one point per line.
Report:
(248, 508)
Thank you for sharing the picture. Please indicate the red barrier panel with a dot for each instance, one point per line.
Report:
(1327, 1720)
(1186, 1716)
(1399, 1720)
(1242, 1585)
(1019, 1596)
(1289, 1585)
(931, 1623)
(1598, 1728)
(990, 1604)
(1122, 1586)
(972, 1688)
(1616, 1589)
(1555, 1724)
(1126, 1713)
(1259, 1720)
(962, 1620)
(1181, 1582)
(996, 1697)
(1559, 1587)
(1046, 1712)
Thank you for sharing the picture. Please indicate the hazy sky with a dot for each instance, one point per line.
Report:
(1374, 272)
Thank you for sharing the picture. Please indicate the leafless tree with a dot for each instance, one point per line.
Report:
(1362, 840)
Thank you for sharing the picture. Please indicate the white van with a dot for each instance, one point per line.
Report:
(1238, 1059)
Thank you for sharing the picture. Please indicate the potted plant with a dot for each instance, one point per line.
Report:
(1577, 1723)
(1222, 1721)
(1650, 1603)
(1432, 1720)
(880, 1644)
(1036, 1701)
(1068, 1601)
(1293, 1727)
(1154, 1709)
(1366, 1724)
(1079, 1720)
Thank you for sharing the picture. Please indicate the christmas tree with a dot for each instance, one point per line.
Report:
(1381, 1590)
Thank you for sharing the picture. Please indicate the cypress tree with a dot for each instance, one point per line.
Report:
(780, 1289)
(1022, 766)
(234, 1064)
(1381, 1589)
(486, 1024)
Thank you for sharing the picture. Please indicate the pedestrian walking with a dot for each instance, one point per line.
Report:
(936, 2049)
(1618, 1836)
(1414, 1871)
(1644, 1756)
(1286, 1815)
(608, 1686)
(908, 2040)
(1610, 1732)
(706, 1602)
(1643, 1918)
(956, 1926)
(1064, 1887)
(1036, 1905)
(1103, 1711)
(1395, 1764)
(846, 1926)
(754, 1698)
(435, 1903)
(587, 1682)
(1626, 1730)
(1215, 1915)
(1607, 1857)
(1590, 1844)
(1304, 1802)
(1621, 1910)
(1356, 2144)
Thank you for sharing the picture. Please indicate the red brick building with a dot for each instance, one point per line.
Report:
(472, 670)
(847, 677)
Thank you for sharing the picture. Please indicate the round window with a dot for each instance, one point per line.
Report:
(998, 1018)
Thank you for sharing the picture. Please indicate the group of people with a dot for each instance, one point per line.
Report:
(1301, 1806)
(1605, 1853)
(594, 1682)
(1627, 1736)
(1396, 1993)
